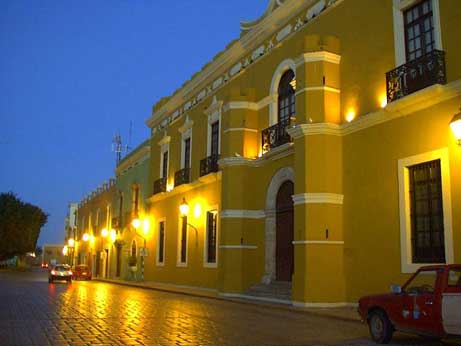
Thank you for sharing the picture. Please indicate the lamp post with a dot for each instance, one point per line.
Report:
(184, 211)
(71, 248)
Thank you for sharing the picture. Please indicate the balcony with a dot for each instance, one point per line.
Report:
(182, 177)
(275, 136)
(209, 165)
(159, 185)
(416, 75)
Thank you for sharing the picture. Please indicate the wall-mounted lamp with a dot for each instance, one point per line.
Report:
(136, 223)
(65, 250)
(184, 208)
(105, 232)
(455, 125)
(86, 237)
(71, 242)
(113, 235)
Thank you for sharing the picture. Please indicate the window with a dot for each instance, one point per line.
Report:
(426, 235)
(186, 162)
(211, 237)
(286, 98)
(416, 29)
(182, 260)
(419, 30)
(215, 139)
(423, 283)
(164, 164)
(426, 213)
(454, 277)
(161, 243)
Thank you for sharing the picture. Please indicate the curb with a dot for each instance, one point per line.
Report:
(269, 305)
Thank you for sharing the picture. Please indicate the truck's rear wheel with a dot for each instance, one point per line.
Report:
(381, 328)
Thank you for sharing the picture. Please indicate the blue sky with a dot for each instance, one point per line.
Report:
(73, 73)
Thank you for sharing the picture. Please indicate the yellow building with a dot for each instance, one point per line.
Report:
(313, 156)
(92, 244)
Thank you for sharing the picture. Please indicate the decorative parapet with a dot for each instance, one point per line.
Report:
(171, 110)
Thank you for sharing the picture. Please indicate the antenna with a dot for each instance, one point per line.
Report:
(117, 147)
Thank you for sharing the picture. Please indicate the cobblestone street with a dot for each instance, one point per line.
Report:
(33, 312)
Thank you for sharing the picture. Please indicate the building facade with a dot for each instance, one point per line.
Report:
(316, 150)
(315, 153)
(130, 218)
(92, 244)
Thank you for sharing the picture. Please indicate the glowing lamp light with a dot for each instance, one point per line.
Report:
(383, 102)
(136, 223)
(146, 226)
(350, 115)
(455, 125)
(184, 208)
(86, 237)
(169, 188)
(104, 232)
(197, 210)
(71, 242)
(64, 250)
(113, 235)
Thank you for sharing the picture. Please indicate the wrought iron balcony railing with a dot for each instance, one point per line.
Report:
(209, 165)
(182, 177)
(159, 185)
(275, 135)
(416, 75)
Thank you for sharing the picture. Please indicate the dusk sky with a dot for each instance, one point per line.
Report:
(73, 73)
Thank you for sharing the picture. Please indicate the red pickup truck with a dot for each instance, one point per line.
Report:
(429, 304)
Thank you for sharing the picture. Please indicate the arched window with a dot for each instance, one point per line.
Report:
(286, 99)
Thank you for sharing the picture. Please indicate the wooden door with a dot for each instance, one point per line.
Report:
(284, 251)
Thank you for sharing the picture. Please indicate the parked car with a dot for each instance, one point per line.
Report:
(428, 304)
(60, 272)
(44, 265)
(82, 271)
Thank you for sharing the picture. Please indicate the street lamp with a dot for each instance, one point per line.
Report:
(184, 211)
(71, 247)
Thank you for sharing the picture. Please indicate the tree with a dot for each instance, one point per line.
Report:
(20, 225)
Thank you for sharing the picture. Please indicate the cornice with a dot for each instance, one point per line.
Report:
(273, 155)
(239, 54)
(164, 140)
(138, 156)
(202, 181)
(407, 105)
(318, 56)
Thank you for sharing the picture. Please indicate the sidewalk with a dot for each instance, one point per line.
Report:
(340, 313)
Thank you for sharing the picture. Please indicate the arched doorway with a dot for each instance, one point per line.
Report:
(284, 253)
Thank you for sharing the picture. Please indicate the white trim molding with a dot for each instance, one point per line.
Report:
(157, 255)
(318, 88)
(212, 209)
(324, 305)
(318, 56)
(315, 129)
(318, 242)
(285, 65)
(251, 247)
(318, 198)
(242, 214)
(237, 129)
(404, 206)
